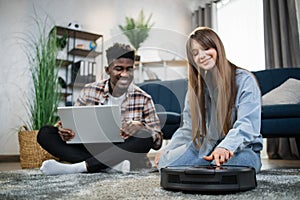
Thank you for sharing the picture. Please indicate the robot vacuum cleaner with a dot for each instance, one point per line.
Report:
(208, 179)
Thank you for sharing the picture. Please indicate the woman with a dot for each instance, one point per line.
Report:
(222, 114)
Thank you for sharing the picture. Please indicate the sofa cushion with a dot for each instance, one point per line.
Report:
(280, 127)
(287, 93)
(170, 122)
(281, 111)
(169, 117)
(168, 95)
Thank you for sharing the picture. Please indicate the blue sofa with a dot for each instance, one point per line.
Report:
(168, 97)
(277, 120)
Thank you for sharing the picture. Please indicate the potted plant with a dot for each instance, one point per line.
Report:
(137, 30)
(44, 96)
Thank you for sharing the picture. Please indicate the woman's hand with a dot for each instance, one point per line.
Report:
(220, 155)
(130, 127)
(64, 133)
(157, 157)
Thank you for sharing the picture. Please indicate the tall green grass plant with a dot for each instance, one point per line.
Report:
(41, 50)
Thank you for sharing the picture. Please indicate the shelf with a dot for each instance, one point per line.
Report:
(84, 53)
(173, 63)
(176, 62)
(82, 81)
(77, 85)
(63, 63)
(64, 94)
(77, 33)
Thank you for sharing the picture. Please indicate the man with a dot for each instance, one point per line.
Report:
(140, 124)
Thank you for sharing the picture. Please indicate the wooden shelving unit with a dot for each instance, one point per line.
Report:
(77, 33)
(84, 53)
(63, 63)
(171, 63)
(74, 53)
(151, 66)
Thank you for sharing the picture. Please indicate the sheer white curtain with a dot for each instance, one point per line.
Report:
(241, 28)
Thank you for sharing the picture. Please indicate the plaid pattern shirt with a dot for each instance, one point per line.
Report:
(137, 106)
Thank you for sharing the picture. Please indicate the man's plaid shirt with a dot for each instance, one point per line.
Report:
(137, 106)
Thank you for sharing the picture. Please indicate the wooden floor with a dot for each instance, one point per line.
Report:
(266, 164)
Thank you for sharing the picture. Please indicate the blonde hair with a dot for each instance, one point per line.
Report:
(226, 83)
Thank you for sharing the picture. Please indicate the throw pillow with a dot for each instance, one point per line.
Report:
(287, 93)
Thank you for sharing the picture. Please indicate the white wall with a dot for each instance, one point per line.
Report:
(240, 26)
(172, 23)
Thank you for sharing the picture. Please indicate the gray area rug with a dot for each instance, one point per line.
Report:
(31, 184)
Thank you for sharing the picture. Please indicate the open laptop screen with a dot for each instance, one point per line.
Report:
(92, 124)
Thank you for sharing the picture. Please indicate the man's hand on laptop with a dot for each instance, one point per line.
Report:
(64, 133)
(130, 127)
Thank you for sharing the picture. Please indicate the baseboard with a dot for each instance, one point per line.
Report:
(9, 158)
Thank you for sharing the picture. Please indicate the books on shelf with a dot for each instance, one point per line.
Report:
(83, 72)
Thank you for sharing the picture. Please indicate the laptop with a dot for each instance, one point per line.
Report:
(92, 124)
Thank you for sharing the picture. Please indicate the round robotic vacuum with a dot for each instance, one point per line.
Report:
(208, 179)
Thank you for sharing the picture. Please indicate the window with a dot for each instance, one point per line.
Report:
(240, 26)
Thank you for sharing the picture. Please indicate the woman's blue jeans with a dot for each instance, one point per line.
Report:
(246, 157)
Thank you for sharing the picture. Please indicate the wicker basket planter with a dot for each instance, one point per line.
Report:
(32, 154)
